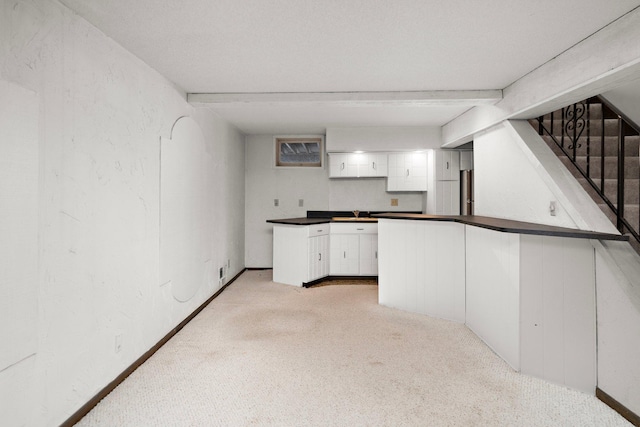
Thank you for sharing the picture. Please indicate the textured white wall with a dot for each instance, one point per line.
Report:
(18, 248)
(507, 184)
(101, 115)
(625, 98)
(264, 183)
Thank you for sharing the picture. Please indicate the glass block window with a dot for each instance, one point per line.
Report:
(299, 151)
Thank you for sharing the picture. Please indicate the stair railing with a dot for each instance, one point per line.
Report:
(576, 130)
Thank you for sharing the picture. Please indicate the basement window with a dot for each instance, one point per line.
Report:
(299, 151)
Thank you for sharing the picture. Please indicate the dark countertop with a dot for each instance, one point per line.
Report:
(300, 221)
(323, 217)
(508, 226)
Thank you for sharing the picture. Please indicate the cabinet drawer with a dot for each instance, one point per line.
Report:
(354, 228)
(318, 230)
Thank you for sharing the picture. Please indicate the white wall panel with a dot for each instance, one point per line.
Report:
(423, 270)
(618, 332)
(557, 316)
(493, 295)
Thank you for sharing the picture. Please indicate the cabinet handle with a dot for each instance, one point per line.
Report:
(342, 166)
(407, 172)
(376, 254)
(360, 229)
(319, 257)
(447, 165)
(319, 231)
(374, 165)
(344, 254)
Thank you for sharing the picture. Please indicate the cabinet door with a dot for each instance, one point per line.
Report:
(416, 178)
(447, 198)
(318, 257)
(355, 163)
(363, 160)
(315, 257)
(324, 255)
(337, 165)
(368, 254)
(378, 164)
(447, 165)
(396, 171)
(407, 172)
(345, 257)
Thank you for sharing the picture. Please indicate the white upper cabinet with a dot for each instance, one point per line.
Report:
(337, 165)
(356, 165)
(407, 171)
(447, 165)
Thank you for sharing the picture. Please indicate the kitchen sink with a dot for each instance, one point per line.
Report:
(352, 218)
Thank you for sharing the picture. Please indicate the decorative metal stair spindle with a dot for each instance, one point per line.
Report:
(601, 148)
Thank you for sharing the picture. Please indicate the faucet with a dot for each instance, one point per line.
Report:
(356, 213)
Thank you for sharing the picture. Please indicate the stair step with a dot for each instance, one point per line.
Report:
(631, 167)
(594, 166)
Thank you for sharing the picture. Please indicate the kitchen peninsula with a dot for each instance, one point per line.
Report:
(323, 244)
(527, 290)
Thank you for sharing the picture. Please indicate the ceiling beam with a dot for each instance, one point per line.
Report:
(415, 98)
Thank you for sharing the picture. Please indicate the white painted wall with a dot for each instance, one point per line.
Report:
(506, 183)
(265, 182)
(100, 114)
(383, 138)
(625, 98)
(517, 176)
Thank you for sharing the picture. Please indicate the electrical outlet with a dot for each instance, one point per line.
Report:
(394, 202)
(300, 202)
(276, 202)
(553, 208)
(118, 345)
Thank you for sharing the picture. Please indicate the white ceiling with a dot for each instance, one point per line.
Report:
(312, 46)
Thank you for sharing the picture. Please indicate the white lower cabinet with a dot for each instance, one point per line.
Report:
(304, 253)
(368, 254)
(345, 255)
(300, 253)
(354, 249)
(318, 257)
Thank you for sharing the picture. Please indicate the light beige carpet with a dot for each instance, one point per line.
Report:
(265, 354)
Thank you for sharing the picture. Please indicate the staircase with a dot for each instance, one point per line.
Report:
(601, 148)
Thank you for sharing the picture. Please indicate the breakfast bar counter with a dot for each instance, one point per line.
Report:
(525, 289)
